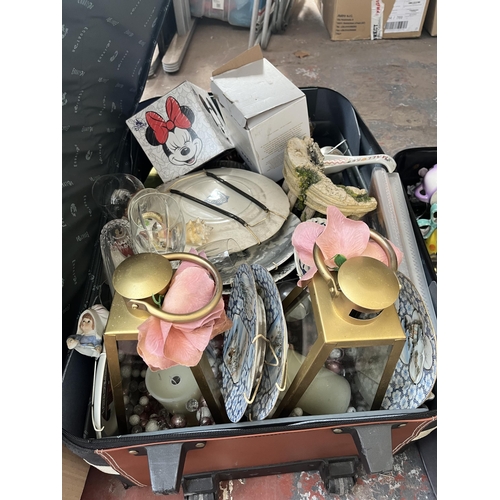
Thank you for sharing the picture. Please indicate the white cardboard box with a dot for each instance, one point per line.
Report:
(262, 110)
(180, 131)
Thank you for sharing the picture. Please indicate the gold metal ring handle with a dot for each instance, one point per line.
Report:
(195, 315)
(387, 247)
(326, 274)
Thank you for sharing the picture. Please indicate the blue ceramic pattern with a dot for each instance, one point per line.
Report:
(403, 393)
(277, 334)
(241, 309)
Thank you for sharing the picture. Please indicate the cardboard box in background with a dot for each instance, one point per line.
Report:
(262, 110)
(431, 18)
(373, 19)
(74, 475)
(406, 19)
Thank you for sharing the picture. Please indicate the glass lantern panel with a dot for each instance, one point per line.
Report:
(364, 367)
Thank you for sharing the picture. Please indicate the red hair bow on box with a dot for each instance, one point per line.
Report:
(176, 118)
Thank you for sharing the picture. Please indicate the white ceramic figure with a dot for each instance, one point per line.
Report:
(88, 337)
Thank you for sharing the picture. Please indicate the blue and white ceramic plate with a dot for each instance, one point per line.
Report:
(277, 335)
(415, 373)
(238, 352)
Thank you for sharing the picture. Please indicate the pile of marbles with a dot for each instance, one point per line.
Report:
(144, 413)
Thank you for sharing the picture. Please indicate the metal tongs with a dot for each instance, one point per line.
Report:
(336, 163)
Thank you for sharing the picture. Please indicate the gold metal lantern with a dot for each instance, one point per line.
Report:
(137, 281)
(353, 308)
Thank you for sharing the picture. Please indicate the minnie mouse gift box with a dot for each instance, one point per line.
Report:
(180, 131)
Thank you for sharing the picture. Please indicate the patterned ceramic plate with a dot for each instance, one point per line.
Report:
(415, 372)
(277, 335)
(284, 270)
(270, 254)
(238, 351)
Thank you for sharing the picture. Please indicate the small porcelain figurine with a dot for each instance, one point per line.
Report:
(88, 337)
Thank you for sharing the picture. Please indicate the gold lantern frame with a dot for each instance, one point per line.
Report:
(137, 280)
(363, 285)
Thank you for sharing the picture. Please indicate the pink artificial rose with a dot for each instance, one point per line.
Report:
(340, 236)
(163, 344)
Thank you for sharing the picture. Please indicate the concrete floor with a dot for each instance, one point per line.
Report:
(392, 85)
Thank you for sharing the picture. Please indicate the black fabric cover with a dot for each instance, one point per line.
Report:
(107, 46)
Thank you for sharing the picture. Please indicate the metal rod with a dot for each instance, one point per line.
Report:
(253, 23)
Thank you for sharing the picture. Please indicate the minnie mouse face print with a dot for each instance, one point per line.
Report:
(177, 132)
(180, 143)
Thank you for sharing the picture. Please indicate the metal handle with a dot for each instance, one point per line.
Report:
(192, 316)
(327, 275)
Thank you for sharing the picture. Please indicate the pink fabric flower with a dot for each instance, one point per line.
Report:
(340, 236)
(163, 344)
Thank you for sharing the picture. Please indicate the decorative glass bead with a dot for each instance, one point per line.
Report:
(296, 412)
(206, 421)
(202, 413)
(126, 371)
(337, 354)
(178, 420)
(334, 366)
(163, 412)
(192, 405)
(129, 409)
(134, 419)
(152, 425)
